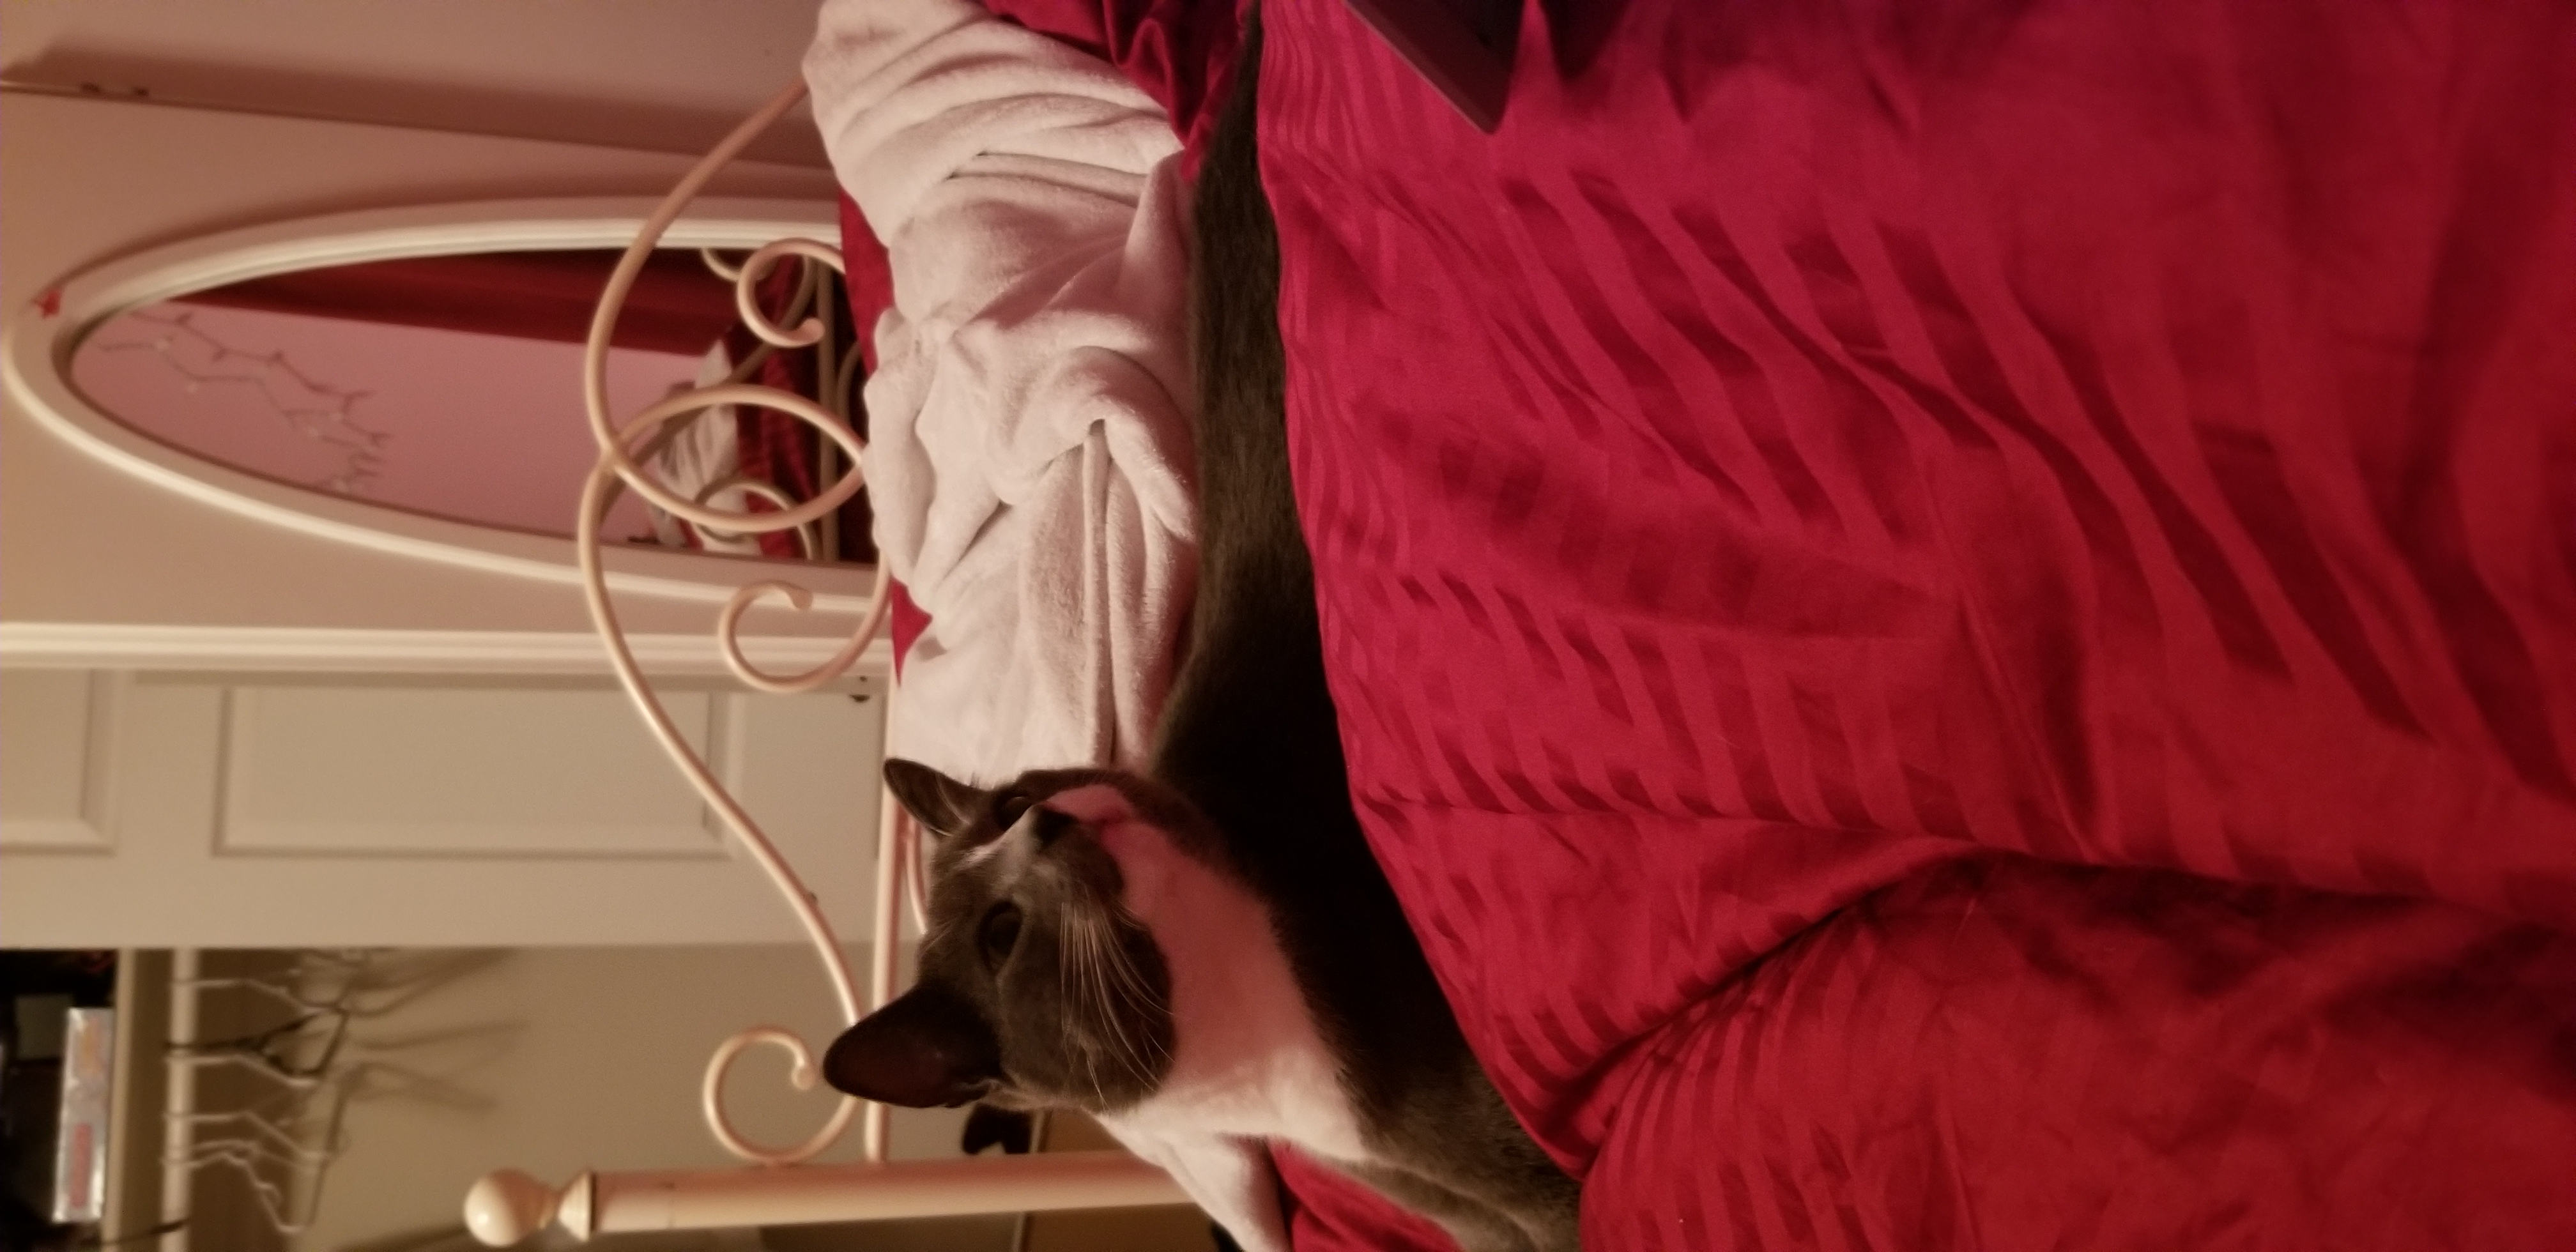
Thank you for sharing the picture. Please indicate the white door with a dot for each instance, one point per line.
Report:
(162, 810)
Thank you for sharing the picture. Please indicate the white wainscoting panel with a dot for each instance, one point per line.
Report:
(56, 729)
(455, 768)
(286, 811)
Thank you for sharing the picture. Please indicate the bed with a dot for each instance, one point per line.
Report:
(1956, 622)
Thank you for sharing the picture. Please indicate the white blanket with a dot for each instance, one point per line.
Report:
(1029, 421)
(1029, 426)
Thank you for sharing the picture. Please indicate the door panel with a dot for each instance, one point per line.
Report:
(276, 811)
(475, 771)
(55, 732)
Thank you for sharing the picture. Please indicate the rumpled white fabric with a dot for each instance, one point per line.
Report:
(1029, 455)
(1029, 452)
(706, 451)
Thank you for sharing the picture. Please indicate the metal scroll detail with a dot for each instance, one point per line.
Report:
(622, 450)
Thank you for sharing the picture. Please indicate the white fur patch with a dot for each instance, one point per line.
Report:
(984, 851)
(1230, 1177)
(1249, 1061)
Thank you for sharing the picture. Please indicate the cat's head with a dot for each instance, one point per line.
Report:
(1038, 988)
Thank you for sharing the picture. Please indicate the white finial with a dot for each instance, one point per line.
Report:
(508, 1206)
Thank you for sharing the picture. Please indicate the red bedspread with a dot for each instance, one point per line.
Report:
(1957, 622)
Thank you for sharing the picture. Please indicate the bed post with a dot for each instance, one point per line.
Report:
(508, 1206)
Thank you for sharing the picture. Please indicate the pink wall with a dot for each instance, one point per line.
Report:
(474, 427)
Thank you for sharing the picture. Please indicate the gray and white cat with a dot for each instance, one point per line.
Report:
(1208, 948)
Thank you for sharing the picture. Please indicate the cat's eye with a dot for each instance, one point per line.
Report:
(998, 933)
(1009, 807)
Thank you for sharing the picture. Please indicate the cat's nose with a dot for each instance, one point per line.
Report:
(1046, 824)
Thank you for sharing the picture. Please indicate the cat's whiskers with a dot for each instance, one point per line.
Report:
(1073, 959)
(1131, 986)
(1117, 985)
(1091, 1006)
(1063, 990)
(1096, 992)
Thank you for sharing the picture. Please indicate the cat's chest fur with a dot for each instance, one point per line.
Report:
(1247, 1057)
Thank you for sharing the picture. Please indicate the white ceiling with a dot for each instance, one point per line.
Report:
(664, 75)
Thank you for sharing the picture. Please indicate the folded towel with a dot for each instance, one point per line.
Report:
(1029, 455)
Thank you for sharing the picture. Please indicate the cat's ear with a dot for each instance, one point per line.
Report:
(927, 1049)
(944, 806)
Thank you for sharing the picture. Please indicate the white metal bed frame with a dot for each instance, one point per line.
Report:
(507, 1206)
